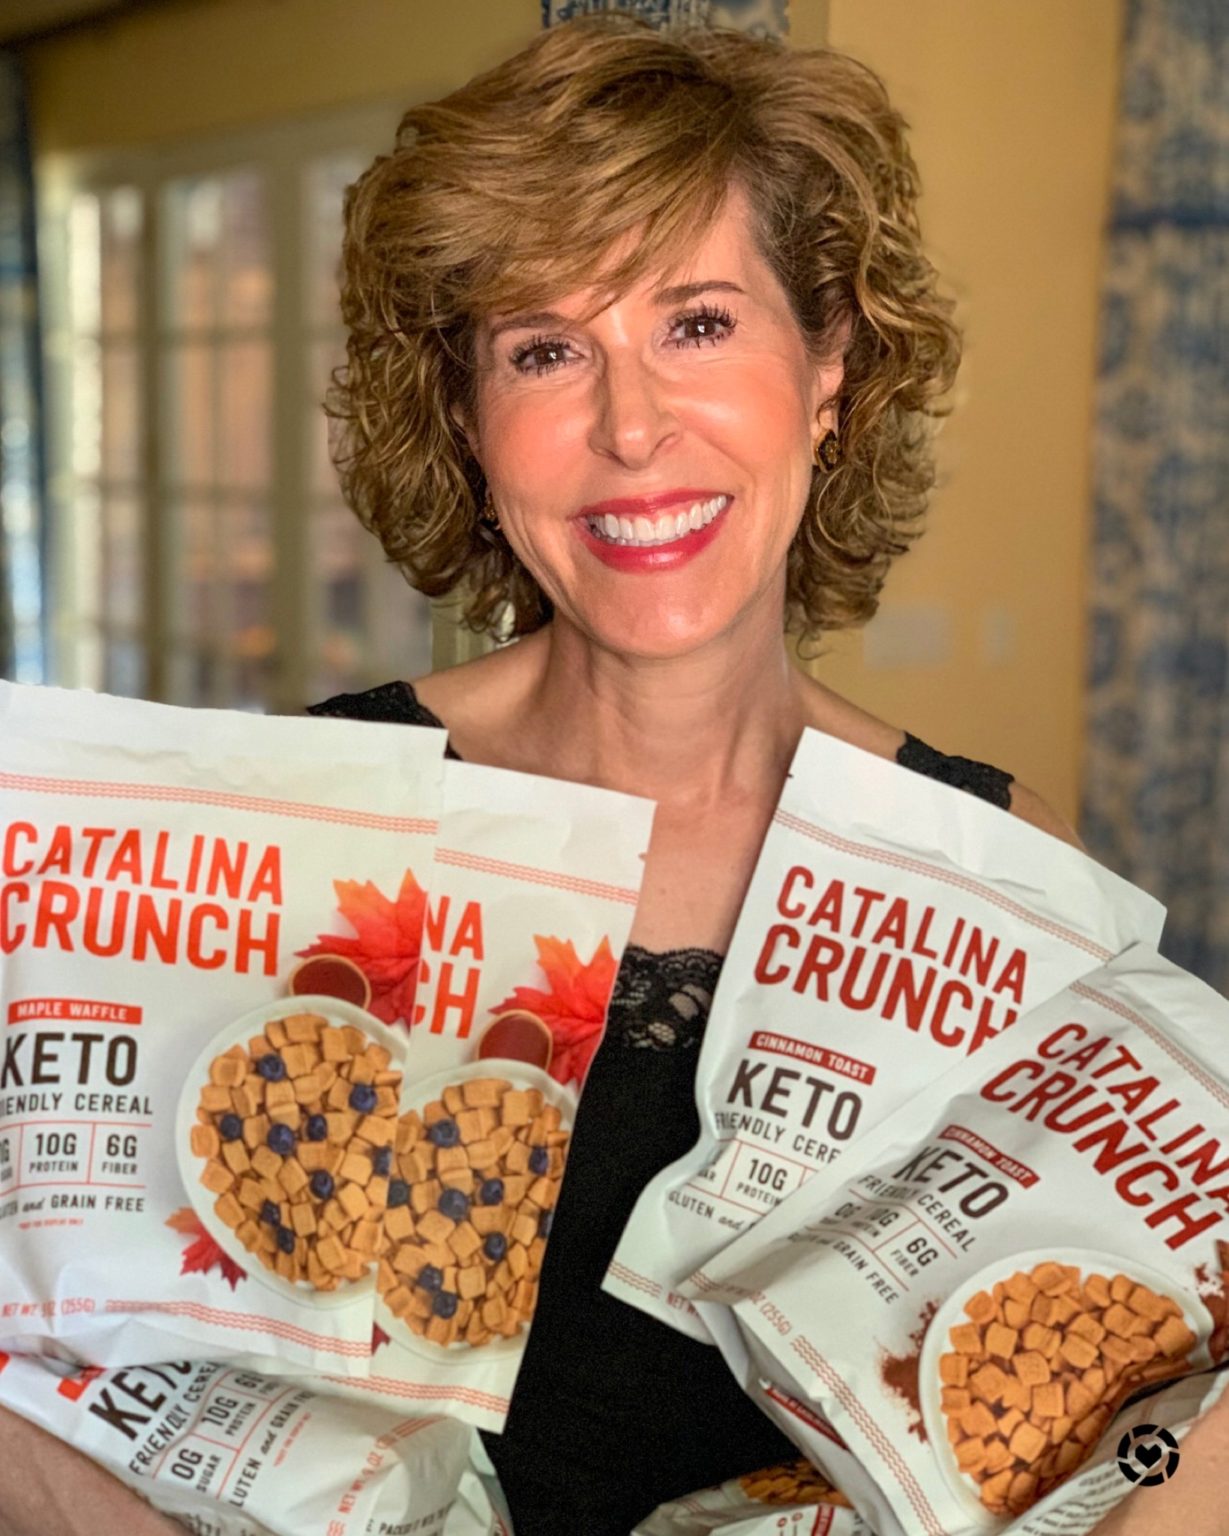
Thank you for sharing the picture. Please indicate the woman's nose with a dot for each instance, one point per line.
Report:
(633, 415)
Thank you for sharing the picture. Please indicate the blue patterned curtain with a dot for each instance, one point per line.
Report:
(762, 18)
(21, 456)
(1156, 797)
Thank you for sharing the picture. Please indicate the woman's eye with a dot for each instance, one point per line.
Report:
(704, 325)
(539, 356)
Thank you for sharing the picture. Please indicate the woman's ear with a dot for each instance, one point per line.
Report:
(828, 376)
(462, 421)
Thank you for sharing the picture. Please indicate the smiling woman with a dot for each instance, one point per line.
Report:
(642, 347)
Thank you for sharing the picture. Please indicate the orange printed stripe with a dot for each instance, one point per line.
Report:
(385, 1386)
(945, 876)
(633, 1278)
(182, 795)
(1179, 1057)
(534, 876)
(247, 1322)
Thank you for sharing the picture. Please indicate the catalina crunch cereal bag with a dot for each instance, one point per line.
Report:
(199, 1079)
(893, 925)
(1012, 1280)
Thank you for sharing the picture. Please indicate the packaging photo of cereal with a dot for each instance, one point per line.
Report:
(893, 925)
(977, 1295)
(210, 926)
(533, 891)
(794, 1498)
(229, 1452)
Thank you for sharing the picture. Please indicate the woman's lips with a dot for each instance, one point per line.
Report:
(655, 557)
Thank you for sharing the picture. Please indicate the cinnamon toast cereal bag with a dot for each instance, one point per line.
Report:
(794, 1499)
(1004, 1291)
(893, 925)
(533, 890)
(228, 1452)
(209, 930)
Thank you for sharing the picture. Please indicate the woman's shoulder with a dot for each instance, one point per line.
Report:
(830, 712)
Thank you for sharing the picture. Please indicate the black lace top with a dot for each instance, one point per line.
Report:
(613, 1412)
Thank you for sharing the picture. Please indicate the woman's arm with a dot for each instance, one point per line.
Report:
(49, 1489)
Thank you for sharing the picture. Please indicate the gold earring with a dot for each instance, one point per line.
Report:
(488, 513)
(828, 452)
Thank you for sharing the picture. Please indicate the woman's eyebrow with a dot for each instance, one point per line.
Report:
(539, 319)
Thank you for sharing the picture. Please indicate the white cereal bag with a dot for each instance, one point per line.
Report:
(893, 925)
(793, 1499)
(207, 937)
(1010, 1299)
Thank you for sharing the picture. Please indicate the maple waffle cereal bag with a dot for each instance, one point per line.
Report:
(533, 890)
(197, 1078)
(1004, 1286)
(893, 925)
(794, 1499)
(228, 1452)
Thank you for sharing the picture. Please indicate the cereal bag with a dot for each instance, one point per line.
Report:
(1004, 1289)
(893, 924)
(793, 1498)
(227, 1452)
(209, 932)
(533, 890)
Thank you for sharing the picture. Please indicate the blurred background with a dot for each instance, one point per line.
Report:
(171, 178)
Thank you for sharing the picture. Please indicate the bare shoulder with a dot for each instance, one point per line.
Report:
(840, 717)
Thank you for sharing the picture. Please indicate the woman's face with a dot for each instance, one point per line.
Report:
(692, 397)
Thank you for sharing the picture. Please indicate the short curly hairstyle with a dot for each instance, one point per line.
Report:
(511, 192)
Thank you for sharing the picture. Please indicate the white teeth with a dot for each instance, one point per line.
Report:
(646, 532)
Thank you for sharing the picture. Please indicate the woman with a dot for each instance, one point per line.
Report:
(642, 341)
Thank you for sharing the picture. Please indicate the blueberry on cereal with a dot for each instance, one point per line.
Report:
(545, 1220)
(270, 1214)
(317, 1128)
(444, 1133)
(454, 1203)
(491, 1192)
(321, 1183)
(398, 1193)
(382, 1161)
(430, 1278)
(363, 1098)
(282, 1140)
(495, 1246)
(271, 1067)
(539, 1159)
(444, 1303)
(285, 1239)
(230, 1127)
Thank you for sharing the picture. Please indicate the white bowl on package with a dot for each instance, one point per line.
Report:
(334, 1011)
(951, 1312)
(417, 1095)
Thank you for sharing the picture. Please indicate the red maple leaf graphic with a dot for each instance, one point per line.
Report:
(378, 1337)
(386, 945)
(574, 1010)
(200, 1256)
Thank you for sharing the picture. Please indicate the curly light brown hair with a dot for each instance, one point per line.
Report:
(511, 192)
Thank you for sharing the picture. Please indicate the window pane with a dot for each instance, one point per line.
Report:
(247, 278)
(192, 676)
(87, 553)
(194, 231)
(83, 262)
(86, 414)
(325, 356)
(124, 668)
(245, 416)
(247, 562)
(401, 624)
(326, 182)
(120, 258)
(123, 562)
(193, 611)
(121, 413)
(190, 435)
(338, 574)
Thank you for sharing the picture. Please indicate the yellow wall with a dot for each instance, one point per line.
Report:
(1012, 110)
(1011, 106)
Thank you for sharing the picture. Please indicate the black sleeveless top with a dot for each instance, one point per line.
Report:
(613, 1412)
